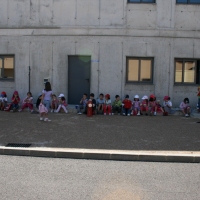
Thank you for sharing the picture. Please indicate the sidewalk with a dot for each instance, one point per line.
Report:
(138, 133)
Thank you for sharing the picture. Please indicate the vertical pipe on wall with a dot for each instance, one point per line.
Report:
(122, 71)
(29, 78)
(29, 69)
(98, 66)
(52, 64)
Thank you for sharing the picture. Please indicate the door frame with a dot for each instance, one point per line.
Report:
(77, 55)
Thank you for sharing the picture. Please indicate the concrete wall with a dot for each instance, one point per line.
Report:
(42, 33)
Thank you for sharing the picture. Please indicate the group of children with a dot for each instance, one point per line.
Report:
(147, 105)
(103, 105)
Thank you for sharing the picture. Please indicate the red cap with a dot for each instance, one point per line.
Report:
(4, 93)
(152, 96)
(107, 96)
(15, 93)
(166, 98)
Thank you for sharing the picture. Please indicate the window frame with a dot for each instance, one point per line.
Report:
(8, 56)
(183, 69)
(141, 2)
(188, 2)
(140, 58)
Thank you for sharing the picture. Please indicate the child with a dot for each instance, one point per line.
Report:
(38, 101)
(185, 108)
(167, 105)
(100, 103)
(152, 105)
(117, 105)
(127, 104)
(27, 102)
(3, 101)
(83, 104)
(43, 112)
(93, 103)
(198, 95)
(107, 105)
(54, 103)
(62, 103)
(136, 105)
(47, 95)
(144, 104)
(15, 102)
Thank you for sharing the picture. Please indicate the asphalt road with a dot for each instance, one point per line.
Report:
(27, 178)
(173, 133)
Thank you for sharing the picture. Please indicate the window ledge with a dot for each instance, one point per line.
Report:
(186, 84)
(7, 79)
(136, 83)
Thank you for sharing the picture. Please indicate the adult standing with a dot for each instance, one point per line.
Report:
(47, 95)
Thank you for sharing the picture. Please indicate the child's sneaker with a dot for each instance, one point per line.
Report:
(31, 111)
(104, 113)
(52, 110)
(41, 118)
(113, 113)
(154, 113)
(20, 110)
(124, 114)
(109, 113)
(138, 114)
(47, 120)
(186, 115)
(66, 111)
(128, 115)
(79, 113)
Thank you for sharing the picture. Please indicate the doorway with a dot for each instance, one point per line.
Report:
(78, 77)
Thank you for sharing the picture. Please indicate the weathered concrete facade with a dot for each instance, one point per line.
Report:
(43, 33)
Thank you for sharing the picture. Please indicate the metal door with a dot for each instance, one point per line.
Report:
(78, 77)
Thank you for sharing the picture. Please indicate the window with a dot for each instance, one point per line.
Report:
(6, 67)
(188, 1)
(139, 70)
(141, 1)
(187, 71)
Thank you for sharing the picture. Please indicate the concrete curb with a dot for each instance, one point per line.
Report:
(98, 154)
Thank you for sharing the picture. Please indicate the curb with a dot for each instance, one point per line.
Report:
(99, 154)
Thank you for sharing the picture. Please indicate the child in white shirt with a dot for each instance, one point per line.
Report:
(107, 105)
(167, 105)
(27, 102)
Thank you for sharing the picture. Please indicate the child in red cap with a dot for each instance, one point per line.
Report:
(167, 105)
(152, 105)
(107, 105)
(15, 103)
(3, 100)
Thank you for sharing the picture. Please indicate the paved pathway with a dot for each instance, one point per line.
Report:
(173, 133)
